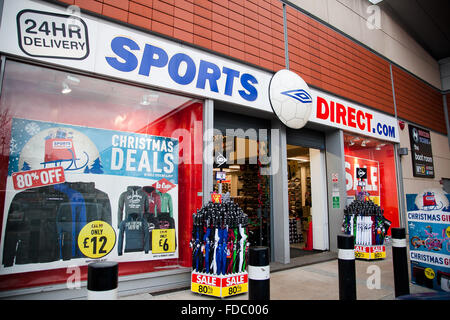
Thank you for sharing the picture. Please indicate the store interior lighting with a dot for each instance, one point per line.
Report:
(69, 80)
(65, 88)
(149, 99)
(299, 159)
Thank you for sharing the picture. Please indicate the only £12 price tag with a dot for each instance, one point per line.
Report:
(96, 239)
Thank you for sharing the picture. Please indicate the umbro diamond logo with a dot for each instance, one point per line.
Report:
(298, 94)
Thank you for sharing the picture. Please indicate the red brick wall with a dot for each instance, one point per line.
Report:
(328, 60)
(249, 30)
(252, 31)
(418, 102)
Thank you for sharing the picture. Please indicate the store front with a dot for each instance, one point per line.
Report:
(125, 122)
(80, 151)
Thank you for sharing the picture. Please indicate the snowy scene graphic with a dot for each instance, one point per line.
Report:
(39, 145)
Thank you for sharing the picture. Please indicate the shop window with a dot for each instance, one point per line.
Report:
(380, 184)
(78, 149)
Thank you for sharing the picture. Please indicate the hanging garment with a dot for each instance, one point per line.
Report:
(43, 223)
(154, 200)
(166, 222)
(30, 233)
(166, 203)
(98, 206)
(134, 200)
(135, 231)
(153, 223)
(78, 219)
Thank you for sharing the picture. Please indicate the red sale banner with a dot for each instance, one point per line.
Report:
(372, 183)
(38, 178)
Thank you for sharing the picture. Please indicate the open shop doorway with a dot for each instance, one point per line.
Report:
(241, 177)
(308, 226)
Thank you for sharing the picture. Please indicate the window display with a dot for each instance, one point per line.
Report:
(380, 181)
(86, 162)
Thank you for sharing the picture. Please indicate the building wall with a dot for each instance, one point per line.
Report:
(388, 39)
(418, 102)
(253, 32)
(330, 61)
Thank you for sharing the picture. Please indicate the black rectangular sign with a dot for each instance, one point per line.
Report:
(421, 153)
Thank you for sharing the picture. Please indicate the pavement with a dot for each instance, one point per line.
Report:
(308, 279)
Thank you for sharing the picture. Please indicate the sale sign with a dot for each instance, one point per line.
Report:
(371, 182)
(38, 178)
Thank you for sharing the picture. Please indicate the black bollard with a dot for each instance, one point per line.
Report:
(258, 273)
(346, 267)
(400, 262)
(103, 280)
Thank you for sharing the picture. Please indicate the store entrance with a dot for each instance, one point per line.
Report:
(240, 177)
(299, 196)
(303, 164)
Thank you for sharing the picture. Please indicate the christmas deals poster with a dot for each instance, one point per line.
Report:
(428, 214)
(78, 194)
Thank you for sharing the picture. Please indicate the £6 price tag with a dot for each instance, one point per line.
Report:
(163, 240)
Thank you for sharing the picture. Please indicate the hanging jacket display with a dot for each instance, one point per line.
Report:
(43, 223)
(77, 220)
(166, 203)
(136, 234)
(220, 239)
(165, 221)
(134, 200)
(153, 223)
(154, 200)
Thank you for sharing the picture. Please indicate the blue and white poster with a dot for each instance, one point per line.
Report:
(428, 216)
(78, 194)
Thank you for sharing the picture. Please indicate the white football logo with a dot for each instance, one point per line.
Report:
(290, 98)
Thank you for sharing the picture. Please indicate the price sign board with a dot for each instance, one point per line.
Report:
(221, 286)
(96, 239)
(205, 284)
(234, 284)
(163, 240)
(370, 252)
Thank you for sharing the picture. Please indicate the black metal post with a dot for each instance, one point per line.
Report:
(103, 280)
(258, 273)
(346, 267)
(400, 262)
